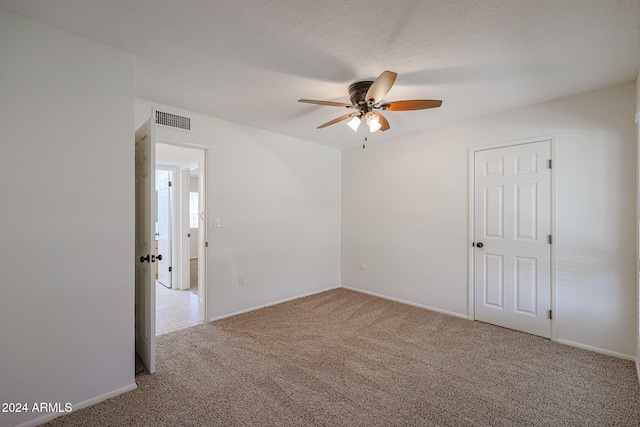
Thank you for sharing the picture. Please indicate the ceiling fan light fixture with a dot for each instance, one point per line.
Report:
(370, 118)
(373, 121)
(354, 123)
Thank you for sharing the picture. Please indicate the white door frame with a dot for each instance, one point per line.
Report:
(202, 230)
(199, 166)
(174, 206)
(184, 225)
(472, 252)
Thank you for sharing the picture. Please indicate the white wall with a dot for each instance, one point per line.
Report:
(405, 213)
(193, 183)
(278, 199)
(66, 311)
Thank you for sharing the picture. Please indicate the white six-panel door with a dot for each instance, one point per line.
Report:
(145, 292)
(512, 225)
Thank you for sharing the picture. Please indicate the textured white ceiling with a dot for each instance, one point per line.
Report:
(249, 61)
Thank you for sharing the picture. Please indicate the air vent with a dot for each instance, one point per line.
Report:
(172, 120)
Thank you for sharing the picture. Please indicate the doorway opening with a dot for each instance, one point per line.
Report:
(180, 288)
(159, 146)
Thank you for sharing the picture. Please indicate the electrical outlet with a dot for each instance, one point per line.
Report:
(241, 280)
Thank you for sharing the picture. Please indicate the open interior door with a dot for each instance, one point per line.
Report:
(145, 295)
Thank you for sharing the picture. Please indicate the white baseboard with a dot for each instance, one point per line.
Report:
(258, 307)
(597, 350)
(81, 405)
(426, 307)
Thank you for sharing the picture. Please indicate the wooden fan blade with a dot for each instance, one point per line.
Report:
(383, 121)
(381, 86)
(415, 104)
(339, 119)
(330, 103)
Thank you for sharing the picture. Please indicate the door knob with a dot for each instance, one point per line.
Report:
(159, 257)
(143, 258)
(479, 245)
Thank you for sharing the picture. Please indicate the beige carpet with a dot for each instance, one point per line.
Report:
(342, 358)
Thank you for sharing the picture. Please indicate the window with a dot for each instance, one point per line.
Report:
(193, 210)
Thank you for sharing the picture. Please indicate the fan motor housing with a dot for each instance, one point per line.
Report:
(358, 91)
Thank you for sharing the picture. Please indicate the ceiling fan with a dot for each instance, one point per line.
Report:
(366, 98)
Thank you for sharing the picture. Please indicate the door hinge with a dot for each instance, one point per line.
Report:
(188, 234)
(550, 314)
(170, 183)
(550, 239)
(550, 163)
(206, 244)
(170, 269)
